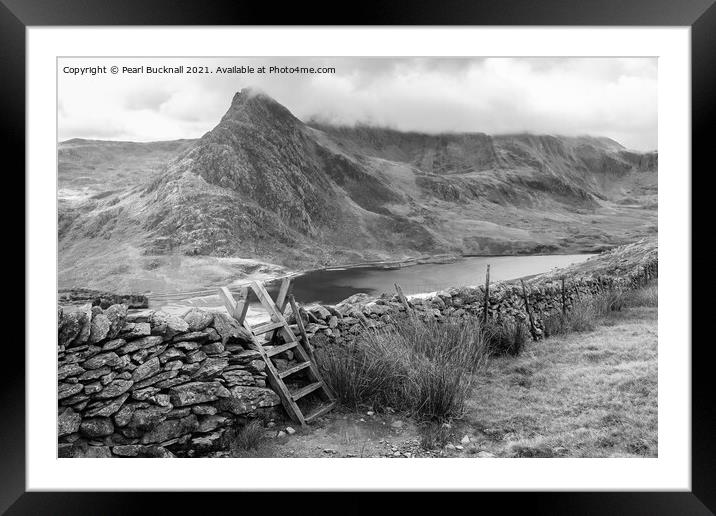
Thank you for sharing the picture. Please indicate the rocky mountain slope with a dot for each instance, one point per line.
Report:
(264, 185)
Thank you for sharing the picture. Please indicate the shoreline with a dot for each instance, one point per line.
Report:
(438, 259)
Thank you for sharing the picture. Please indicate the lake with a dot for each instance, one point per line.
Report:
(334, 285)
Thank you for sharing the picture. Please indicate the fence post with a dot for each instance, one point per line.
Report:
(403, 299)
(529, 312)
(487, 296)
(564, 299)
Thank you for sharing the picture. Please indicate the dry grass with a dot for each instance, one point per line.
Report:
(244, 438)
(424, 368)
(587, 394)
(506, 336)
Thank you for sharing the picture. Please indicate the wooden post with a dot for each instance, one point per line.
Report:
(299, 322)
(529, 312)
(281, 302)
(403, 299)
(236, 310)
(564, 299)
(487, 296)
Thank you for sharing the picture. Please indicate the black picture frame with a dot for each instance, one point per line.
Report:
(700, 15)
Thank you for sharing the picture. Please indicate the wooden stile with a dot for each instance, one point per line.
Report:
(280, 326)
(299, 323)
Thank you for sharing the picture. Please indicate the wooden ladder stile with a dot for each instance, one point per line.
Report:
(280, 327)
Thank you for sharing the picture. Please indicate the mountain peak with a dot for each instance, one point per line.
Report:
(252, 104)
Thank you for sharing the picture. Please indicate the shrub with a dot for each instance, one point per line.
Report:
(421, 367)
(505, 336)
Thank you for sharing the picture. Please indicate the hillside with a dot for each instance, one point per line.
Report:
(263, 186)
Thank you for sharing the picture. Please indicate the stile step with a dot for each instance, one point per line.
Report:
(267, 327)
(294, 369)
(280, 349)
(320, 411)
(308, 389)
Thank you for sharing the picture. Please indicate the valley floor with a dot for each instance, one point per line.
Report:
(591, 394)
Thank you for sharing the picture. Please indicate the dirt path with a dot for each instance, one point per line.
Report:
(581, 395)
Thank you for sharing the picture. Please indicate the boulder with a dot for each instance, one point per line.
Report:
(93, 388)
(238, 377)
(127, 450)
(156, 379)
(213, 348)
(141, 343)
(117, 315)
(65, 390)
(198, 319)
(99, 328)
(86, 322)
(97, 427)
(243, 399)
(115, 388)
(113, 344)
(146, 418)
(195, 357)
(210, 423)
(186, 346)
(204, 410)
(230, 330)
(68, 422)
(108, 409)
(210, 367)
(197, 392)
(109, 359)
(171, 354)
(134, 330)
(69, 370)
(70, 327)
(147, 369)
(144, 394)
(166, 324)
(320, 312)
(171, 429)
(193, 335)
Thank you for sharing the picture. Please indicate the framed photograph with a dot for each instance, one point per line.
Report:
(437, 248)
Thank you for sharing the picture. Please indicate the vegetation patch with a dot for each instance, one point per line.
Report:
(424, 368)
(242, 438)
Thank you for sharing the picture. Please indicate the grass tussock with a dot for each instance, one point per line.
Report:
(506, 336)
(424, 368)
(241, 438)
(647, 296)
(586, 314)
(608, 302)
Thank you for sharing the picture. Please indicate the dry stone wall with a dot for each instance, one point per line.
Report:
(327, 325)
(152, 384)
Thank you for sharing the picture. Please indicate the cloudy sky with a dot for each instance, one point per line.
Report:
(569, 96)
